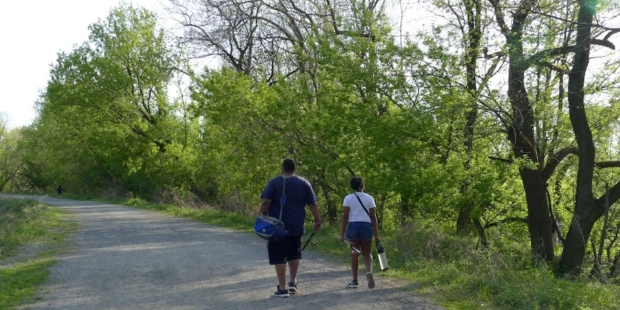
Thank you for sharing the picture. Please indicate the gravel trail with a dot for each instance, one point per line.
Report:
(127, 258)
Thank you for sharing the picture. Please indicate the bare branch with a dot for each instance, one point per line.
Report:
(614, 195)
(603, 43)
(508, 161)
(608, 164)
(556, 159)
(499, 16)
(507, 220)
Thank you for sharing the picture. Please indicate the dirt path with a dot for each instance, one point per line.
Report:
(126, 258)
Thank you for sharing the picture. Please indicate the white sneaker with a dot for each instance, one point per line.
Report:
(371, 280)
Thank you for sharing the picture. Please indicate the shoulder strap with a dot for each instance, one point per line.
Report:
(363, 206)
(283, 197)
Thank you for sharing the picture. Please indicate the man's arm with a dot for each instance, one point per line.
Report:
(315, 213)
(264, 206)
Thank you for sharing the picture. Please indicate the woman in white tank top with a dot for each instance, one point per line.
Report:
(359, 222)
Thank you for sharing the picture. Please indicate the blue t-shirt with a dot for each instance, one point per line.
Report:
(299, 193)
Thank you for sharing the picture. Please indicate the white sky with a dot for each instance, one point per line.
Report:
(32, 32)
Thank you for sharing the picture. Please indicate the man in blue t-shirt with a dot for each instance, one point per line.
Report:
(298, 193)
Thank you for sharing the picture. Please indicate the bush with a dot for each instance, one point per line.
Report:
(136, 202)
(500, 277)
(429, 243)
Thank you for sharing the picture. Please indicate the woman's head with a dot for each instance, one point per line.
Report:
(357, 184)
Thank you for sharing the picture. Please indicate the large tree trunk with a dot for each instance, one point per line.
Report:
(577, 238)
(523, 139)
(538, 220)
(521, 132)
(587, 209)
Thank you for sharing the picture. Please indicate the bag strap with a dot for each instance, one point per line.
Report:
(282, 198)
(363, 206)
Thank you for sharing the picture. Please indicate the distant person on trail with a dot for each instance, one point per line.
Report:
(59, 190)
(359, 221)
(299, 194)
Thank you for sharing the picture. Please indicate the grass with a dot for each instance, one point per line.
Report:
(461, 277)
(40, 229)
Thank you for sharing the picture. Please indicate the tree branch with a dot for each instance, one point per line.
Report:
(499, 16)
(604, 42)
(608, 164)
(509, 161)
(554, 67)
(555, 160)
(614, 195)
(536, 58)
(507, 220)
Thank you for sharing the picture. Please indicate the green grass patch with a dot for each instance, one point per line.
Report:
(459, 276)
(30, 224)
(213, 216)
(20, 281)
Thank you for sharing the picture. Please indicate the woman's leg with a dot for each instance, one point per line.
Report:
(355, 258)
(366, 248)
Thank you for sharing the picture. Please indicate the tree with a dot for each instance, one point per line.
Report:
(107, 107)
(588, 209)
(10, 165)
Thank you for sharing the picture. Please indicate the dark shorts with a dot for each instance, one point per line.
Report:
(284, 251)
(359, 231)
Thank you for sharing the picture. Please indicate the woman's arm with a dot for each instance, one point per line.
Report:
(375, 225)
(345, 221)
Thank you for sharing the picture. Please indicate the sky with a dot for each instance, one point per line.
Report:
(32, 32)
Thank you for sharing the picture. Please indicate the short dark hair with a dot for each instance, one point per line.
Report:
(356, 183)
(288, 165)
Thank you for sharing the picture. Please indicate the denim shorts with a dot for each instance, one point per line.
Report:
(359, 231)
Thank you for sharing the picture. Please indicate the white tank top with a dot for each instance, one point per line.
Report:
(356, 211)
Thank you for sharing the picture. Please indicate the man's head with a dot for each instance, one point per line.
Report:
(288, 166)
(357, 184)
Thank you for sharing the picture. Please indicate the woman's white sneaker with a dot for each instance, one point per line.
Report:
(371, 280)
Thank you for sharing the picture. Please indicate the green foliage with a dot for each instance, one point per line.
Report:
(204, 213)
(19, 282)
(106, 121)
(464, 277)
(22, 222)
(10, 156)
(343, 97)
(136, 202)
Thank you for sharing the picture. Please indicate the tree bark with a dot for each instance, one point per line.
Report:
(587, 209)
(538, 220)
(521, 132)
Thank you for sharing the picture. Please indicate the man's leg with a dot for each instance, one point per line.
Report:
(293, 266)
(293, 257)
(281, 272)
(277, 257)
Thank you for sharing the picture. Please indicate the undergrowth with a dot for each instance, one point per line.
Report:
(38, 228)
